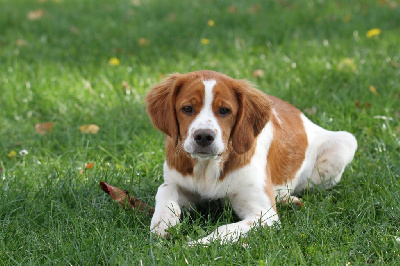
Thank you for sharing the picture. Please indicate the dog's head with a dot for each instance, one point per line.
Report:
(207, 112)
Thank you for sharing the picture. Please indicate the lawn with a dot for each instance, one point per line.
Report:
(72, 63)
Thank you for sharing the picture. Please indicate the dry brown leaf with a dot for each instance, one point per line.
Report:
(373, 89)
(143, 42)
(253, 9)
(122, 196)
(35, 14)
(172, 17)
(232, 9)
(89, 165)
(89, 129)
(20, 42)
(44, 128)
(258, 73)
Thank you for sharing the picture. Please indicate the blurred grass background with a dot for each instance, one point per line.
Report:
(80, 62)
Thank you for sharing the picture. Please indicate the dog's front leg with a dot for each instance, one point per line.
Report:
(254, 207)
(167, 210)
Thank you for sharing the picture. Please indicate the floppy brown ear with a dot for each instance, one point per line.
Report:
(254, 113)
(160, 106)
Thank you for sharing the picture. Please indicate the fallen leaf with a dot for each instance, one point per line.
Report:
(122, 196)
(373, 32)
(21, 42)
(89, 129)
(253, 9)
(211, 23)
(359, 105)
(258, 73)
(35, 14)
(143, 42)
(347, 64)
(89, 165)
(12, 154)
(347, 18)
(373, 89)
(205, 41)
(113, 61)
(232, 9)
(44, 128)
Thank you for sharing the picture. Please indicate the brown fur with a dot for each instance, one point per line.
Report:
(288, 148)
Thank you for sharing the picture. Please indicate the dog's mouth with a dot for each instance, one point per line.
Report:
(204, 156)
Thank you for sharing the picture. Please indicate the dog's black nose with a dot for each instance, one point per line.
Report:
(204, 137)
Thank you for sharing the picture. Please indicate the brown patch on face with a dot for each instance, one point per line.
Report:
(177, 158)
(191, 94)
(288, 148)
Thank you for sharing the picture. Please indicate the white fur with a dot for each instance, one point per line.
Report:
(205, 120)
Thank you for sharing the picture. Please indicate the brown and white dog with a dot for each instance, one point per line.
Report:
(225, 139)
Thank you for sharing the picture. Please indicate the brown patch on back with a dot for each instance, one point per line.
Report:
(288, 148)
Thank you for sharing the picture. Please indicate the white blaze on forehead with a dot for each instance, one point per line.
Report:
(208, 96)
(206, 120)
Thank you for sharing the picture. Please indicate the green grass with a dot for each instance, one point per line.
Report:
(56, 69)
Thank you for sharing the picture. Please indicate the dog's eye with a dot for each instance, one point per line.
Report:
(187, 110)
(223, 111)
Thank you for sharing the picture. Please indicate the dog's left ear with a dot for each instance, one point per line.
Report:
(161, 108)
(254, 113)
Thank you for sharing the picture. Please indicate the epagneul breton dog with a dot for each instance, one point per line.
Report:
(225, 139)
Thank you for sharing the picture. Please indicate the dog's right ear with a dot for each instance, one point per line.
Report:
(161, 105)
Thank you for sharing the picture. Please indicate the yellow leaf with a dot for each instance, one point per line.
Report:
(35, 14)
(205, 41)
(373, 90)
(373, 32)
(44, 128)
(347, 64)
(89, 129)
(347, 18)
(211, 23)
(258, 73)
(12, 154)
(113, 61)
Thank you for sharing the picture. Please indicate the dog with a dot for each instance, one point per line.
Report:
(227, 140)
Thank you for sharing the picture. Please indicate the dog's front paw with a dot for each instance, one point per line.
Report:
(164, 219)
